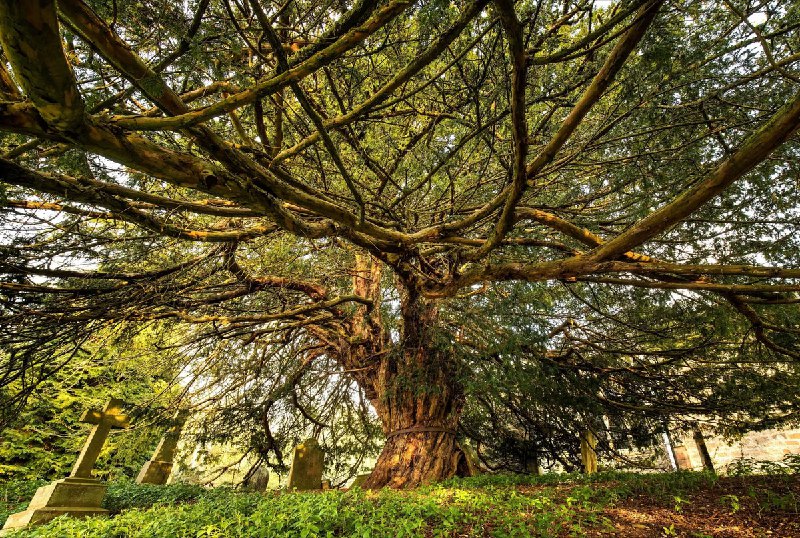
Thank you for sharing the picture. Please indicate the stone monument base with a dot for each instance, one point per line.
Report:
(76, 497)
(155, 472)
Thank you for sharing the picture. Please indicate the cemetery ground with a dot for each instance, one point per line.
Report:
(690, 504)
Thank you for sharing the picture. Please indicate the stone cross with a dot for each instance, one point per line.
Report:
(78, 495)
(110, 417)
(169, 443)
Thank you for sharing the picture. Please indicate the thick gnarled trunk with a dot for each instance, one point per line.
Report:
(419, 400)
(420, 412)
(413, 384)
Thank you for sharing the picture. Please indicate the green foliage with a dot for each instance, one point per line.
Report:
(679, 502)
(731, 501)
(769, 500)
(44, 439)
(499, 505)
(126, 495)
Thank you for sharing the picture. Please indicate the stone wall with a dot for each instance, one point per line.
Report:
(767, 445)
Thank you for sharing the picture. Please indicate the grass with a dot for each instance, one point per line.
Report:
(497, 505)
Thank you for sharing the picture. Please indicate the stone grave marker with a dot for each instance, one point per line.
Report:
(307, 465)
(682, 460)
(257, 480)
(589, 452)
(359, 480)
(158, 469)
(79, 494)
(472, 460)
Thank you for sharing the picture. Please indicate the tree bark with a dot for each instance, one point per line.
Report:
(412, 381)
(419, 399)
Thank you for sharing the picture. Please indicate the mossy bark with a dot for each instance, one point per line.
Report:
(412, 381)
(418, 394)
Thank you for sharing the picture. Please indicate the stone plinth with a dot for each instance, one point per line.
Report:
(307, 465)
(77, 497)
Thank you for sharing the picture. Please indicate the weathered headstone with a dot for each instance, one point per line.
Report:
(257, 480)
(159, 467)
(682, 460)
(359, 480)
(79, 494)
(471, 459)
(532, 466)
(589, 452)
(307, 465)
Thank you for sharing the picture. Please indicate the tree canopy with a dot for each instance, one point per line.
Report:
(532, 215)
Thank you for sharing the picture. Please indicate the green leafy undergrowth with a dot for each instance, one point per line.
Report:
(15, 495)
(501, 506)
(125, 495)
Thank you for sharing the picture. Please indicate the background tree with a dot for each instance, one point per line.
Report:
(344, 180)
(43, 439)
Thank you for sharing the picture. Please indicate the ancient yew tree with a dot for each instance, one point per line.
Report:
(400, 189)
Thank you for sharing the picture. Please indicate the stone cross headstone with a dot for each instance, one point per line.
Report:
(158, 469)
(307, 465)
(589, 452)
(79, 494)
(110, 417)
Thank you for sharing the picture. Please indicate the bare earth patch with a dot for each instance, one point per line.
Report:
(754, 506)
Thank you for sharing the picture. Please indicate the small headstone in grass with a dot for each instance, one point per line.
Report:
(532, 466)
(307, 465)
(78, 495)
(258, 480)
(682, 459)
(472, 460)
(359, 480)
(158, 469)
